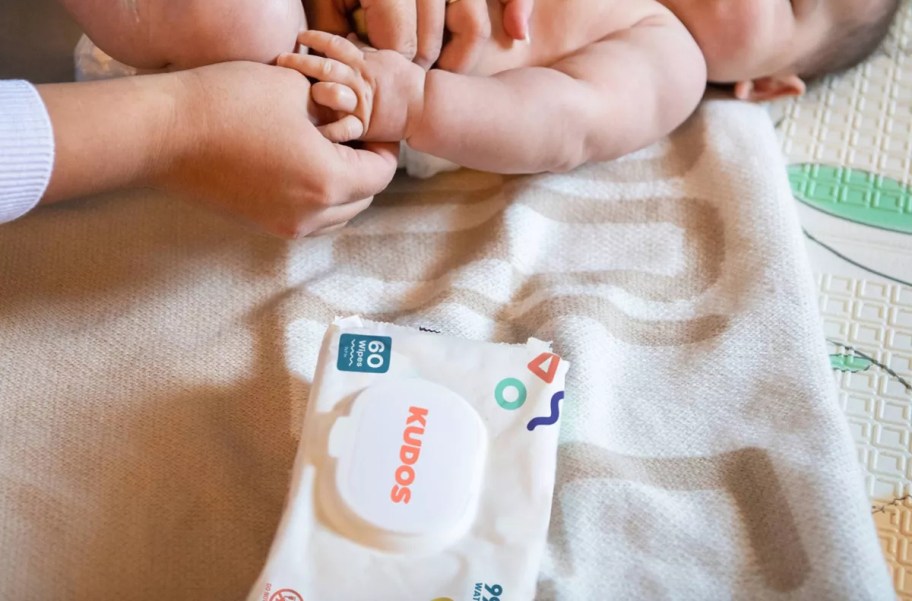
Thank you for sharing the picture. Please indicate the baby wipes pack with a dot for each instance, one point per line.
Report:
(425, 470)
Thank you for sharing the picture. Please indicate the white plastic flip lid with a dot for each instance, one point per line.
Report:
(409, 465)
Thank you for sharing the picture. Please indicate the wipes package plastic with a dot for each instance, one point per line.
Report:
(425, 470)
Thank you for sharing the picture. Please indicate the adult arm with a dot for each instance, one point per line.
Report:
(26, 149)
(236, 137)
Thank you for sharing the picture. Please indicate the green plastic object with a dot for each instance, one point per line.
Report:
(852, 194)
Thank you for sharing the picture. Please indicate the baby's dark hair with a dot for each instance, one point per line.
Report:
(851, 42)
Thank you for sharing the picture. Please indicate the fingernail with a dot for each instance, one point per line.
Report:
(346, 94)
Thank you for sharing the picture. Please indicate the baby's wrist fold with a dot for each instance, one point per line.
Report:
(416, 101)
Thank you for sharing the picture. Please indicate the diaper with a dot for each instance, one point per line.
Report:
(425, 470)
(422, 165)
(92, 63)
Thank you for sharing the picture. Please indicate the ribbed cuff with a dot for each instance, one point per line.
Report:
(26, 149)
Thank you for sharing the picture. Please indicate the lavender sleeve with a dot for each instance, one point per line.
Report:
(26, 149)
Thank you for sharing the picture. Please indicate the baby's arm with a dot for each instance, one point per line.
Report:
(609, 99)
(606, 100)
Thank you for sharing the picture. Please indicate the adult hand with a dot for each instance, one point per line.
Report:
(235, 136)
(469, 25)
(261, 156)
(415, 28)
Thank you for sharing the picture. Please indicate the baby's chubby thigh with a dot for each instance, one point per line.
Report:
(158, 34)
(210, 31)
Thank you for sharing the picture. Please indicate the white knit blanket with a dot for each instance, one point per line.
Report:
(156, 362)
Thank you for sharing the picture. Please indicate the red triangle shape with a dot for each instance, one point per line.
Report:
(535, 366)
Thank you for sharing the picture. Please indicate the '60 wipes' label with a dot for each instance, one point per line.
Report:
(369, 354)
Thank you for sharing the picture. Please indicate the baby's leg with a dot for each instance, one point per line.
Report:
(155, 34)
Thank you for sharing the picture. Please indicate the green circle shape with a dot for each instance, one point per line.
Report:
(502, 387)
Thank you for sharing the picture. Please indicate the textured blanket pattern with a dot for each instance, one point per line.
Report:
(693, 464)
(151, 407)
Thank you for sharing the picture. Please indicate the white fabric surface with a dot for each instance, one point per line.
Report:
(26, 149)
(161, 359)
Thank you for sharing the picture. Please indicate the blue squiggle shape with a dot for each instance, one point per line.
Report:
(555, 413)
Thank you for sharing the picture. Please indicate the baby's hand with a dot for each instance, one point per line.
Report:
(328, 104)
(388, 88)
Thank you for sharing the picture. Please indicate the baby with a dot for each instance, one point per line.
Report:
(600, 78)
(594, 80)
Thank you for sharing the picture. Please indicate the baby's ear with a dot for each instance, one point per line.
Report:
(769, 88)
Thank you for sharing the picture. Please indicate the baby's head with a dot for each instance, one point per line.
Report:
(769, 48)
